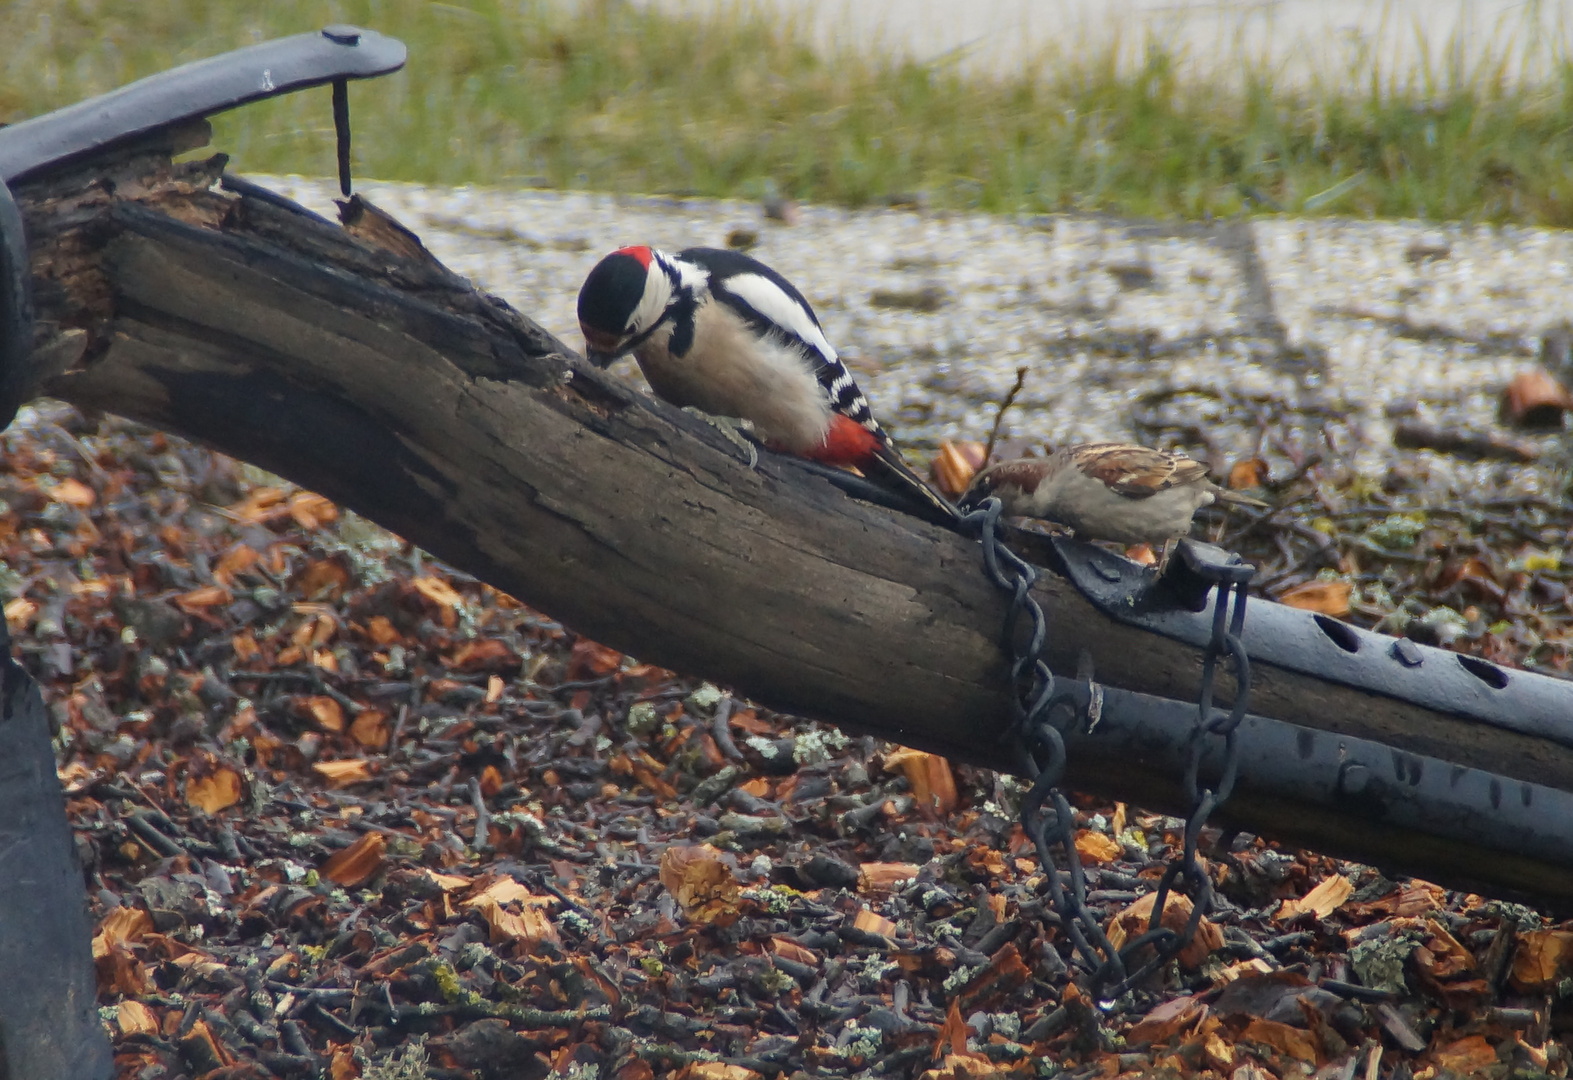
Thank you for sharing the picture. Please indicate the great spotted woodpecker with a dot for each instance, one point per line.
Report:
(1105, 491)
(722, 333)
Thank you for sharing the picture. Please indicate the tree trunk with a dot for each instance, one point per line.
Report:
(352, 363)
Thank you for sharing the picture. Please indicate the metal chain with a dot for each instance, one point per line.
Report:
(1035, 701)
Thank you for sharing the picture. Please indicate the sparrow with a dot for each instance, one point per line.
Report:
(1105, 491)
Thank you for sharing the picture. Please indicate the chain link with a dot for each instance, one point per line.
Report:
(1042, 714)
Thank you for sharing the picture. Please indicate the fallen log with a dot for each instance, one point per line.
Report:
(349, 361)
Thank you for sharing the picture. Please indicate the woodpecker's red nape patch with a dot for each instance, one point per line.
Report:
(641, 253)
(846, 443)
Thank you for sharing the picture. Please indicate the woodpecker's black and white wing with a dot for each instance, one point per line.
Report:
(770, 304)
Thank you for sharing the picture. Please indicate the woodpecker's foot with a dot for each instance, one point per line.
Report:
(732, 428)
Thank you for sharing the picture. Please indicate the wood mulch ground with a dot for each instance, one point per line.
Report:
(346, 812)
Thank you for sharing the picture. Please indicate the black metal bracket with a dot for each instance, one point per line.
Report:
(191, 92)
(194, 91)
(1285, 637)
(1304, 771)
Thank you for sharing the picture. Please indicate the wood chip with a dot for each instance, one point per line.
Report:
(1095, 847)
(311, 511)
(357, 863)
(703, 886)
(1323, 597)
(239, 557)
(954, 466)
(505, 890)
(933, 783)
(1220, 1055)
(213, 793)
(1133, 922)
(19, 613)
(1469, 1056)
(1327, 897)
(1281, 1037)
(122, 925)
(344, 772)
(715, 1070)
(198, 599)
(1540, 958)
(963, 1067)
(325, 711)
(449, 882)
(882, 878)
(791, 950)
(438, 591)
(73, 492)
(530, 924)
(135, 1018)
(370, 729)
(1003, 974)
(1165, 1021)
(871, 922)
(953, 1033)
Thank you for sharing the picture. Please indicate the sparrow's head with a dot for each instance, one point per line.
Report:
(1011, 482)
(626, 296)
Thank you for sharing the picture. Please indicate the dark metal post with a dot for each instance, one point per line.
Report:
(49, 1025)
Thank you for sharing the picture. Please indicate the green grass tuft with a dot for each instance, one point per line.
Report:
(610, 96)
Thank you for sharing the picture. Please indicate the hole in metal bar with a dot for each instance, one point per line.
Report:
(1489, 674)
(1342, 634)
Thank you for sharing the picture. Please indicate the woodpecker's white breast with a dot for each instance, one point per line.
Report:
(732, 371)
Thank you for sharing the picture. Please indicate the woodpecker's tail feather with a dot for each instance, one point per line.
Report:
(887, 469)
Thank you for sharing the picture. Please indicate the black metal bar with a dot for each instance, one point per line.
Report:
(1417, 805)
(196, 90)
(341, 131)
(1316, 645)
(16, 305)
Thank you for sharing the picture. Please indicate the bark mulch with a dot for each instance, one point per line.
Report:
(346, 812)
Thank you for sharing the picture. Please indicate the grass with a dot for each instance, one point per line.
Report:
(609, 96)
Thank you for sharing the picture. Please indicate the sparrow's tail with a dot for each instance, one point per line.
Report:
(1223, 494)
(887, 469)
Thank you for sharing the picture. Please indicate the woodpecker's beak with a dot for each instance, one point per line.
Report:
(601, 348)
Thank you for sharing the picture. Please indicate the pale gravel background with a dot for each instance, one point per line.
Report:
(1129, 329)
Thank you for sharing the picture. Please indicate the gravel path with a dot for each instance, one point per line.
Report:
(1272, 336)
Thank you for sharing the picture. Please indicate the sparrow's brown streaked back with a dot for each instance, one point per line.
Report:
(1105, 491)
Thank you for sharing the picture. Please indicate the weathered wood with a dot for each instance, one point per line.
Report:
(387, 384)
